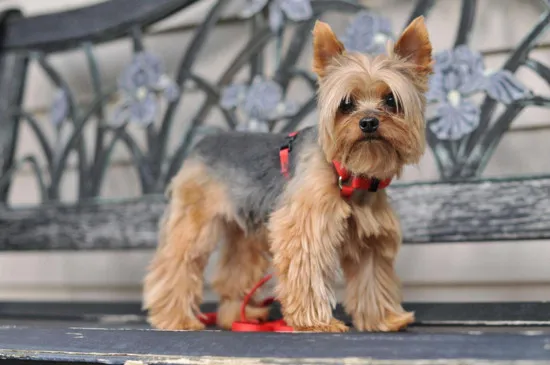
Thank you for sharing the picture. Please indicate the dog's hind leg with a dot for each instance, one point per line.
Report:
(191, 227)
(243, 262)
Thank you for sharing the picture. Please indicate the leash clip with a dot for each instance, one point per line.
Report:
(342, 183)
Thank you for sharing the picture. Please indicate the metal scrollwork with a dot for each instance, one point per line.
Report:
(462, 133)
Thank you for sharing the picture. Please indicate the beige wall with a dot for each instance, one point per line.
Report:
(492, 271)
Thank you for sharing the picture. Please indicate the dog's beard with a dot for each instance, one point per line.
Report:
(372, 156)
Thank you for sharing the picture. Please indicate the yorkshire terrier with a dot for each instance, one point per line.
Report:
(307, 204)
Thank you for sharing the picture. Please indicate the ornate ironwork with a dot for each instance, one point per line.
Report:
(462, 134)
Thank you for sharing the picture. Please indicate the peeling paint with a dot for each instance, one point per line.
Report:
(145, 359)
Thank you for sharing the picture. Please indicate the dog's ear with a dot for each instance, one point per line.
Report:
(414, 45)
(325, 47)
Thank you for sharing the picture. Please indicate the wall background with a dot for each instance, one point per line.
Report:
(484, 272)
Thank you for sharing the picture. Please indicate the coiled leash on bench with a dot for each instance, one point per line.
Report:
(244, 325)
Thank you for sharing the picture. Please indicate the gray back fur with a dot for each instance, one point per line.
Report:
(249, 164)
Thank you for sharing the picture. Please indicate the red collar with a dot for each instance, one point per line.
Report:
(346, 181)
(349, 183)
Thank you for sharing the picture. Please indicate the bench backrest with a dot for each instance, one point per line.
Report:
(460, 207)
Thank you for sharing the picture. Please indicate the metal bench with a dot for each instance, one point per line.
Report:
(461, 207)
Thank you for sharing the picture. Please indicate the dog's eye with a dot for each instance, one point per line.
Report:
(347, 105)
(390, 102)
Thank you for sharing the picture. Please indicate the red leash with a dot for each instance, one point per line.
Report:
(244, 325)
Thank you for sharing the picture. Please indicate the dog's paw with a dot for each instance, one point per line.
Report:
(229, 311)
(169, 324)
(334, 326)
(393, 322)
(397, 321)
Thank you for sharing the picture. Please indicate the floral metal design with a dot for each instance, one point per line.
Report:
(368, 33)
(462, 133)
(141, 83)
(261, 102)
(459, 74)
(295, 10)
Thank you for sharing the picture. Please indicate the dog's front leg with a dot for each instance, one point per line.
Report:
(306, 234)
(373, 290)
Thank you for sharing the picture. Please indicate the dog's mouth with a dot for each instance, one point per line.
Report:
(371, 138)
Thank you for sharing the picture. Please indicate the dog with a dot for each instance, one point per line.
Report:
(306, 204)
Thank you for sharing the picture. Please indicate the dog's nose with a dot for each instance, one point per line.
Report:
(369, 125)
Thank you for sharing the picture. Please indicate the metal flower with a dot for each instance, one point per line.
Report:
(368, 33)
(295, 10)
(457, 118)
(141, 83)
(232, 95)
(261, 101)
(458, 74)
(60, 107)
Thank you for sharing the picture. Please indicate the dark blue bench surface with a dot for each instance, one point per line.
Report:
(35, 341)
(115, 333)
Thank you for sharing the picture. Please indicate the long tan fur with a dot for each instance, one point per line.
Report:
(313, 231)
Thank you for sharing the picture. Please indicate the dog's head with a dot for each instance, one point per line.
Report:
(372, 108)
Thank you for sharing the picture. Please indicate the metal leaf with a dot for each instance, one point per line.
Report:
(296, 10)
(262, 99)
(276, 18)
(368, 33)
(504, 87)
(232, 95)
(253, 7)
(60, 107)
(455, 121)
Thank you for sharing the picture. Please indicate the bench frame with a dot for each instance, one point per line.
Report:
(462, 207)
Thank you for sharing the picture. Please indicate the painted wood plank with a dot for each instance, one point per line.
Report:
(116, 346)
(493, 210)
